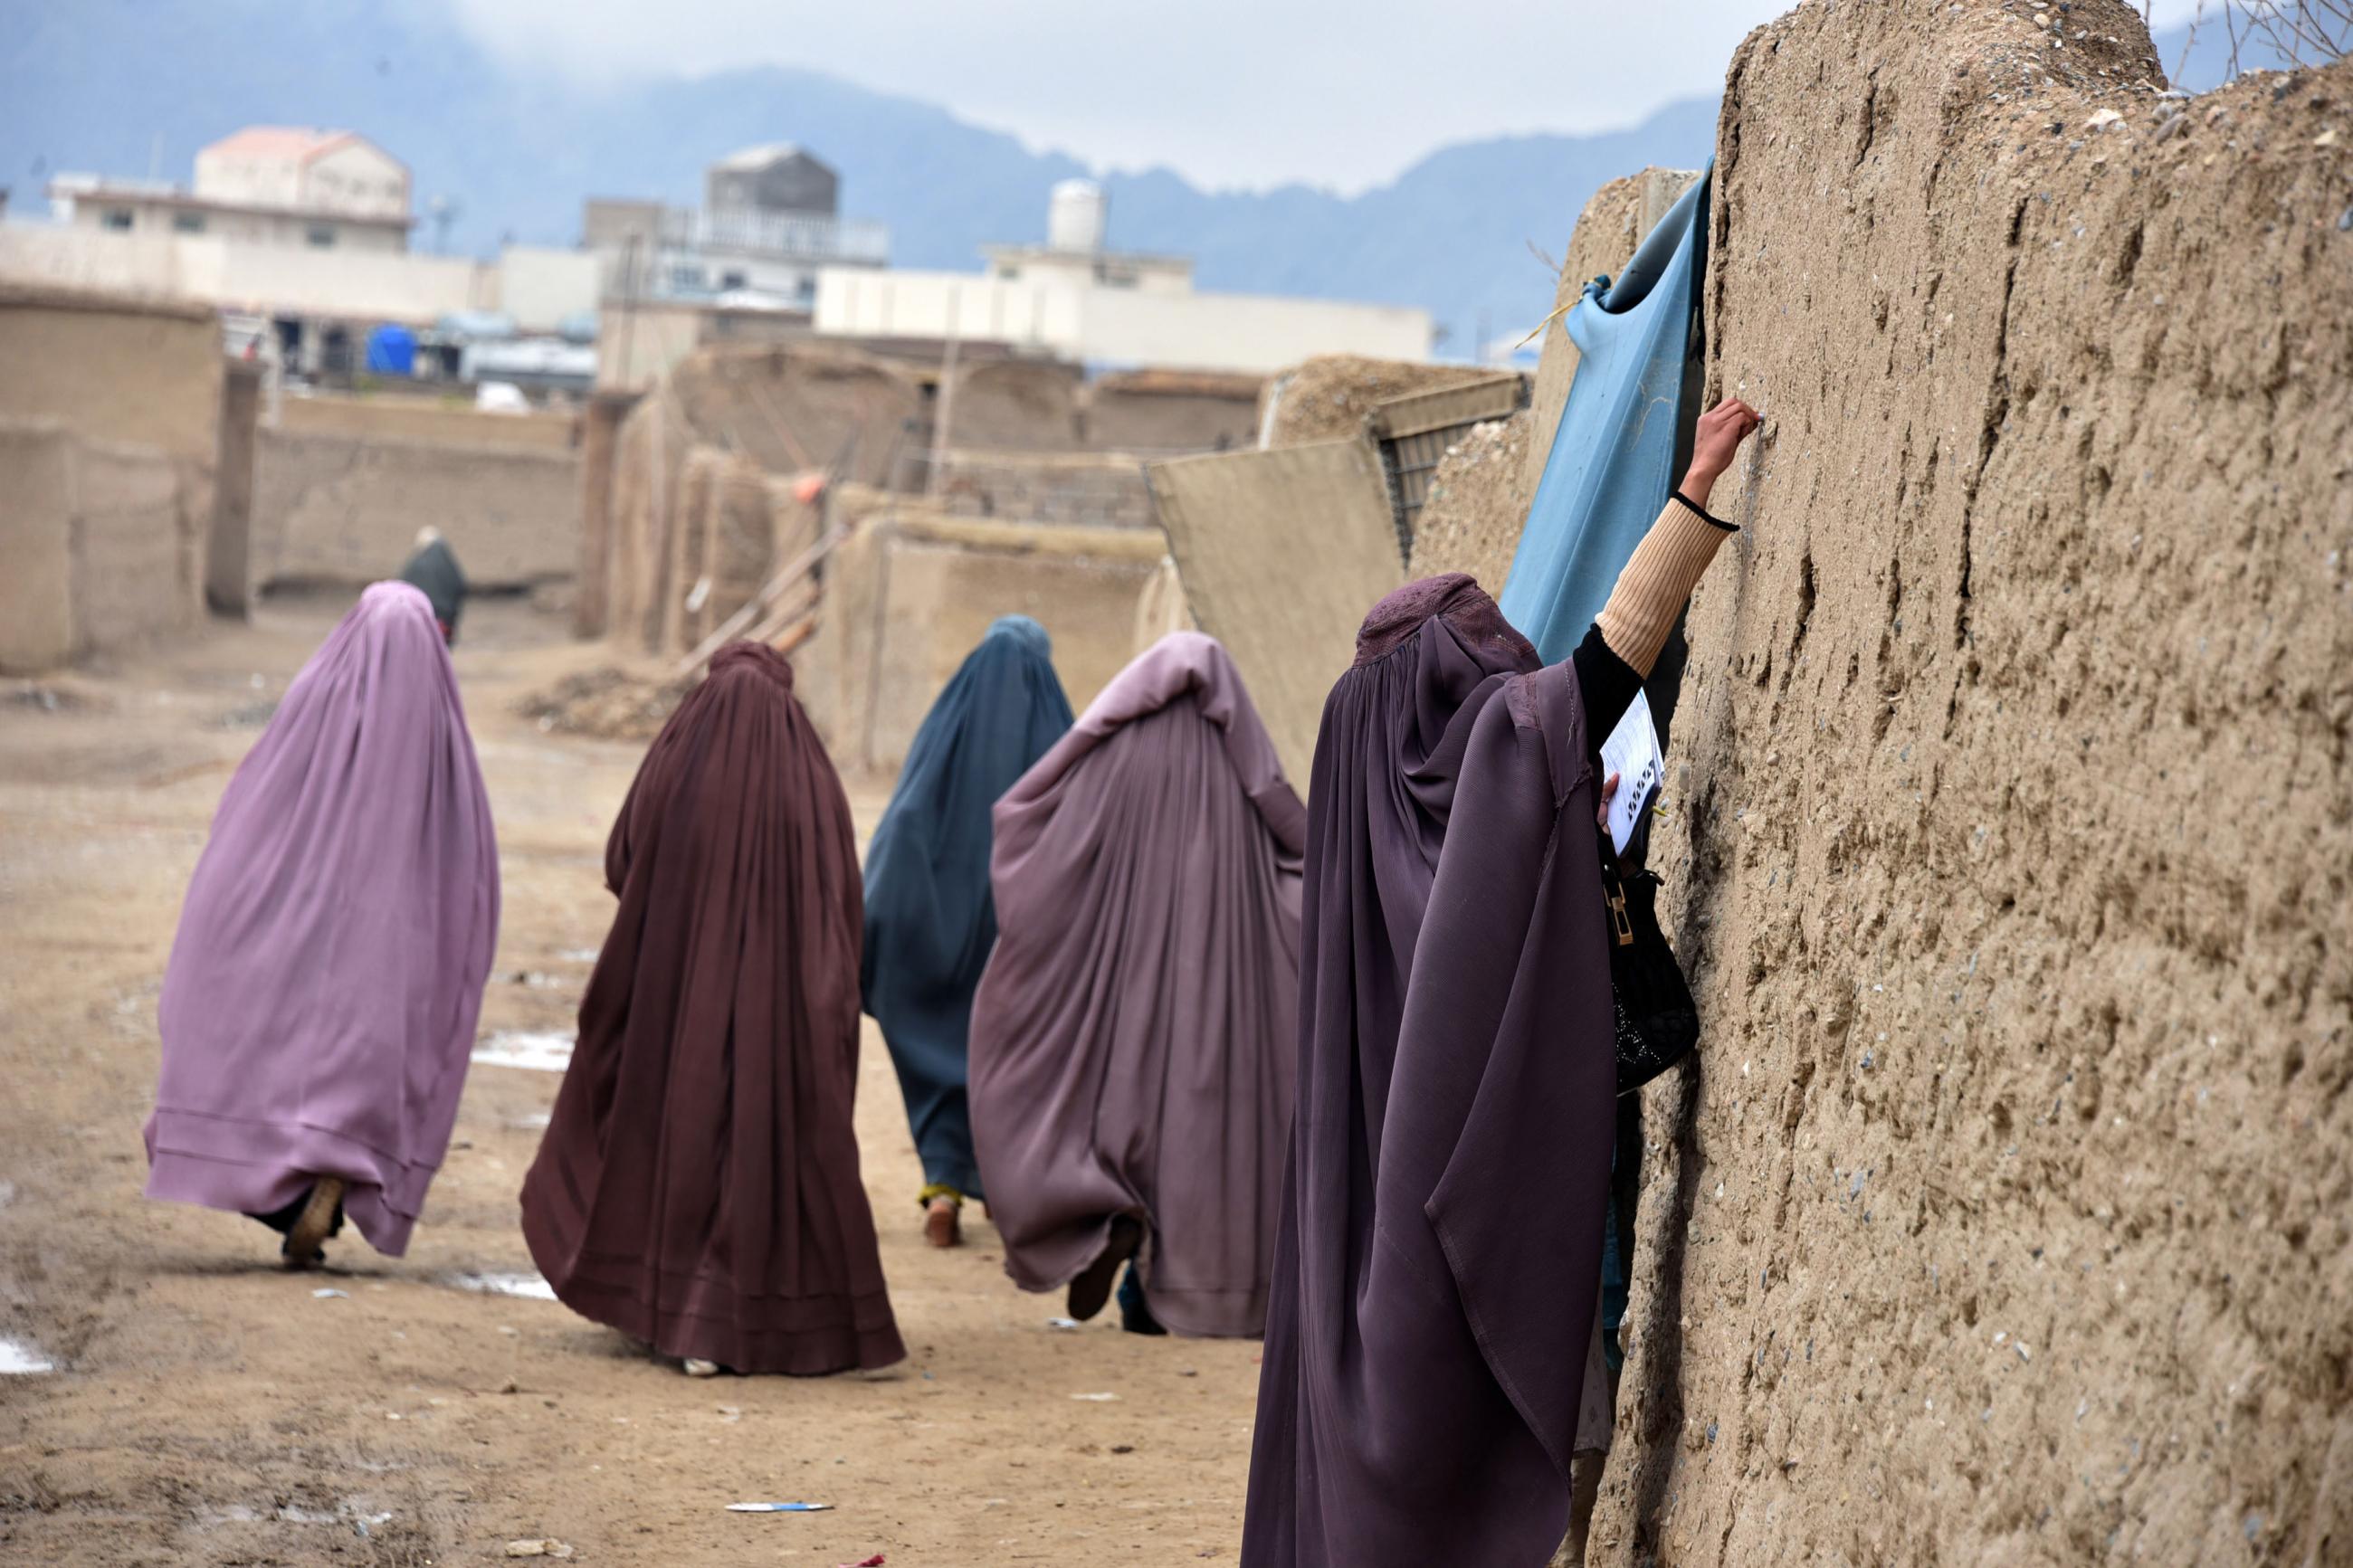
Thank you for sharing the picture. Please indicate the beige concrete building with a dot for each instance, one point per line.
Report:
(267, 186)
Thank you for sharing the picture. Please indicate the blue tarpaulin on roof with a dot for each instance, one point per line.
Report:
(392, 351)
(1622, 439)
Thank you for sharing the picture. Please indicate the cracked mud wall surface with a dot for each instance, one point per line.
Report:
(2004, 1217)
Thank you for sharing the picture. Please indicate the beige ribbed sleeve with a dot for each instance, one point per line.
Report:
(1657, 582)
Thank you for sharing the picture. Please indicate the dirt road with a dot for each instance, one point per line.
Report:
(206, 1408)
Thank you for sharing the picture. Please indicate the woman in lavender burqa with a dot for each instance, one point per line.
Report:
(1429, 1333)
(319, 1008)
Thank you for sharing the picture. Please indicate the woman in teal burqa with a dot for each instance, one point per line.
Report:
(930, 922)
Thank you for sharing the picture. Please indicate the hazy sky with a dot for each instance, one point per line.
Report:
(1228, 93)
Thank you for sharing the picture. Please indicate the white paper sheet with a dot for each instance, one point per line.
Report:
(1631, 753)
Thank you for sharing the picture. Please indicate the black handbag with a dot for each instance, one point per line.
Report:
(1658, 1024)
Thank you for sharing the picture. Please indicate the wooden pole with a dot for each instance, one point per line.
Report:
(798, 568)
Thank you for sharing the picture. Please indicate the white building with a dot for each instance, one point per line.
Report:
(1075, 300)
(267, 184)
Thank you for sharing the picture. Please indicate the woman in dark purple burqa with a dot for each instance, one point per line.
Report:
(698, 1186)
(1429, 1323)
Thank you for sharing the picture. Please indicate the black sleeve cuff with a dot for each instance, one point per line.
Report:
(1608, 684)
(1706, 515)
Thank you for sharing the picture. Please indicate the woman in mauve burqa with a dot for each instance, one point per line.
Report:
(698, 1186)
(929, 918)
(1133, 1038)
(1430, 1340)
(318, 1012)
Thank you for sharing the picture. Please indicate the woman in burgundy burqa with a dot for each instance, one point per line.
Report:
(1437, 1266)
(698, 1187)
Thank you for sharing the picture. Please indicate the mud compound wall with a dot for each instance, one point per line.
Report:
(1326, 398)
(432, 421)
(778, 410)
(101, 545)
(911, 590)
(109, 447)
(2004, 1217)
(330, 507)
(1100, 489)
(1163, 411)
(110, 368)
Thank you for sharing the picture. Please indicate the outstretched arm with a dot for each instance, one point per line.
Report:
(1658, 579)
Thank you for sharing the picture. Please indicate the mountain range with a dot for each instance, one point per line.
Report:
(134, 86)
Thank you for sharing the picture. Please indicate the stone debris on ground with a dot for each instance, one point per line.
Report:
(608, 703)
(46, 696)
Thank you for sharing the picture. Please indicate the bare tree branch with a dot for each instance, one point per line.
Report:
(2301, 32)
(2189, 41)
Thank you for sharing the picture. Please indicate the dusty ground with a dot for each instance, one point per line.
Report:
(208, 1409)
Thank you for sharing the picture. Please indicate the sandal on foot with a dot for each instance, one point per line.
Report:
(314, 1224)
(695, 1367)
(943, 1222)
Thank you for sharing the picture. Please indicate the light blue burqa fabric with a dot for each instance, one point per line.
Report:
(1622, 439)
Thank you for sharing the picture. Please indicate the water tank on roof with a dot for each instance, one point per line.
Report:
(1075, 217)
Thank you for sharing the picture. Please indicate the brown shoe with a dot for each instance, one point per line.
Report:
(943, 1222)
(314, 1225)
(1091, 1290)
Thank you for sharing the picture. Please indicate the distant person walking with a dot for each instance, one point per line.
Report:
(318, 1011)
(433, 571)
(698, 1185)
(1133, 1038)
(1430, 1331)
(930, 922)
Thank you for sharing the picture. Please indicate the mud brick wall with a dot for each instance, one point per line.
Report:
(2004, 1217)
(334, 508)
